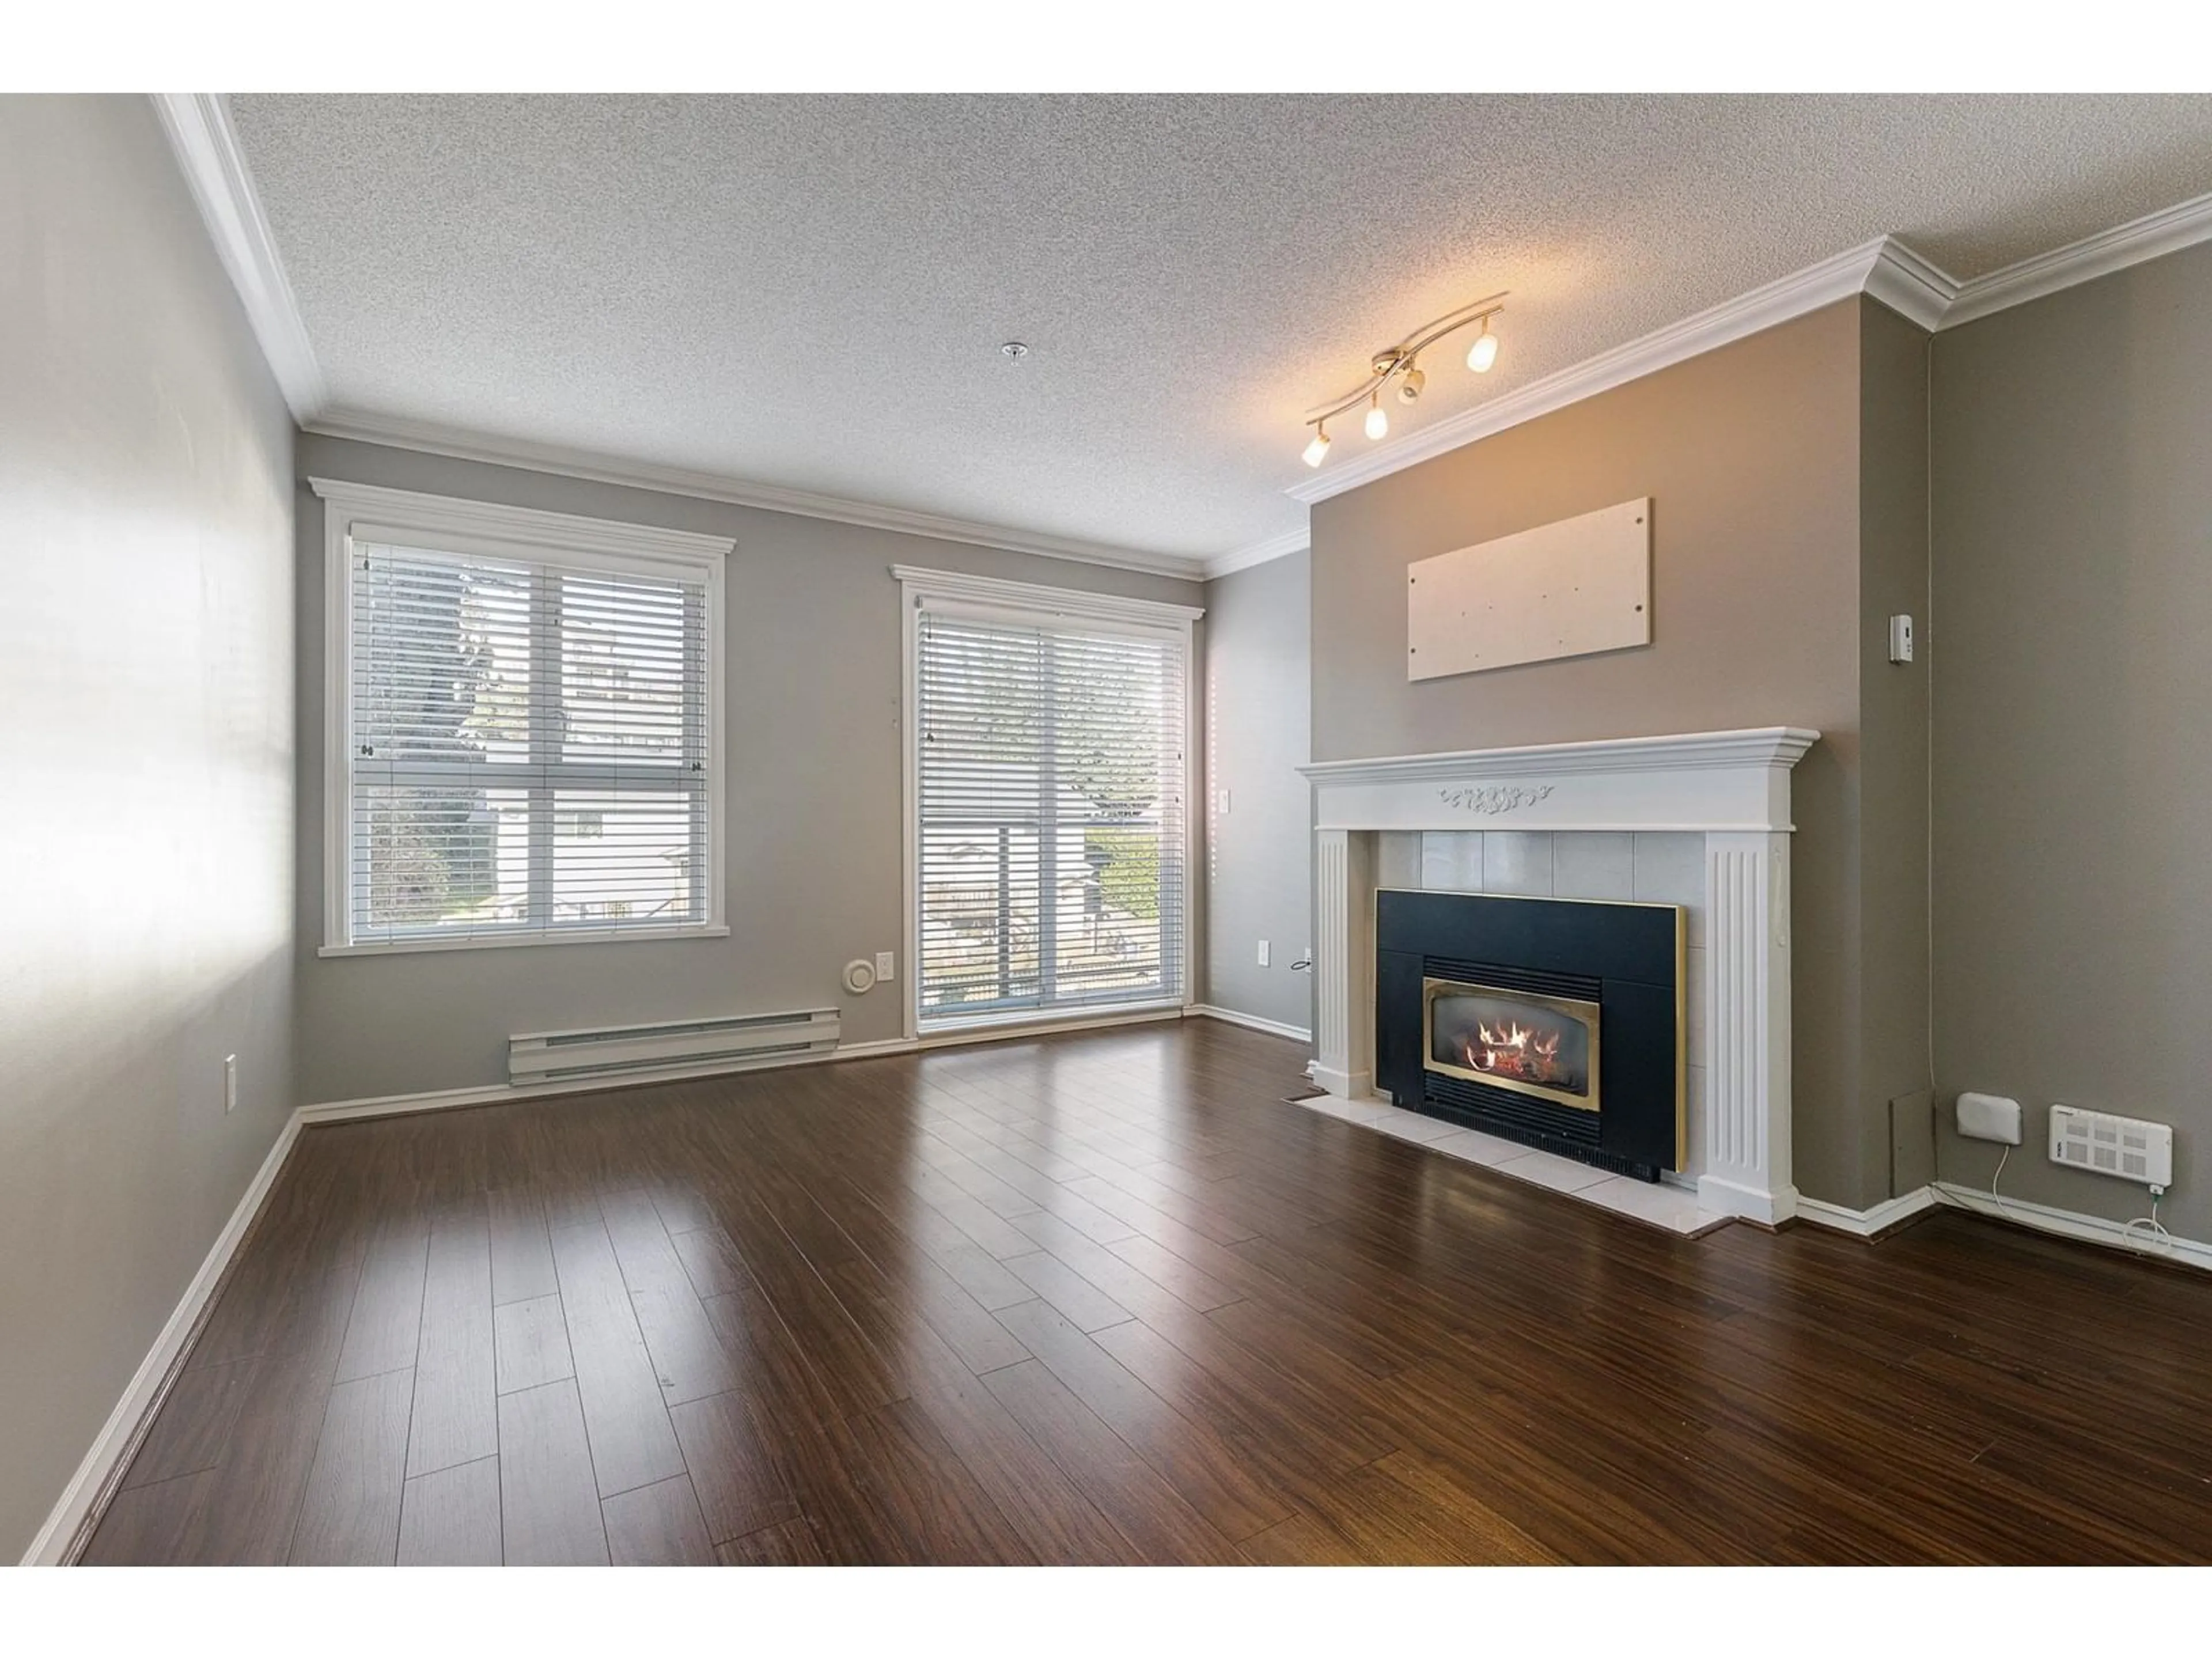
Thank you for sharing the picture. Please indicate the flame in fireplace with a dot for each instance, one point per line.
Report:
(1512, 1049)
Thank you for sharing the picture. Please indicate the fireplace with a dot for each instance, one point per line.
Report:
(1546, 1047)
(1731, 790)
(1556, 1023)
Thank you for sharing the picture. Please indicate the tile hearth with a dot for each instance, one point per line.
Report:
(1671, 1207)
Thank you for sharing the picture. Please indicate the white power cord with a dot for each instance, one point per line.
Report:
(2159, 1238)
(2155, 1239)
(2003, 1208)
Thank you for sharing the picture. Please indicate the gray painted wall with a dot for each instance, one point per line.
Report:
(1897, 1148)
(2072, 641)
(1259, 852)
(813, 798)
(146, 851)
(1752, 455)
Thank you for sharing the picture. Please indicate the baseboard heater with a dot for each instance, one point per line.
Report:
(688, 1045)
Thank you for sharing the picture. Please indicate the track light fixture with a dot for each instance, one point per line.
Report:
(1399, 366)
(1484, 351)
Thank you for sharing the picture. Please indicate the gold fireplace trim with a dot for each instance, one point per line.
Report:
(1586, 1012)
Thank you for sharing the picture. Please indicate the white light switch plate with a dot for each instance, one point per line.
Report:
(1263, 953)
(886, 962)
(1900, 639)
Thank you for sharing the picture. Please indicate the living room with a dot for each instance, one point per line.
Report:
(972, 829)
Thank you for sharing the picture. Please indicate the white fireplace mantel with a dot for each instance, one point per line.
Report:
(1732, 786)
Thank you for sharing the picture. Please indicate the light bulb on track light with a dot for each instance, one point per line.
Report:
(1377, 424)
(1317, 451)
(1484, 351)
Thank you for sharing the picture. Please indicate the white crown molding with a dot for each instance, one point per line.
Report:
(1257, 553)
(1914, 288)
(1832, 279)
(717, 487)
(2168, 231)
(205, 142)
(199, 130)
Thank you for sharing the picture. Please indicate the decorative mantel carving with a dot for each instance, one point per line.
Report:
(1494, 797)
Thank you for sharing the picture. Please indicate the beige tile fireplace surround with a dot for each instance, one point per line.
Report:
(1700, 819)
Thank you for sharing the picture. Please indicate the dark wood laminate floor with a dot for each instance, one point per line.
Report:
(1105, 1298)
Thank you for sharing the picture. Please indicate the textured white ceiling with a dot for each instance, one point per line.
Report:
(810, 292)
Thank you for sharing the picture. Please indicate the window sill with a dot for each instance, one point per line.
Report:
(485, 942)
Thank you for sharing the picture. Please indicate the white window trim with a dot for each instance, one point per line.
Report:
(451, 524)
(988, 596)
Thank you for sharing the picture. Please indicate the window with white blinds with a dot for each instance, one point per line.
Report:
(528, 744)
(1050, 793)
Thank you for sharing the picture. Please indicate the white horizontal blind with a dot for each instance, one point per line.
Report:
(528, 752)
(1051, 779)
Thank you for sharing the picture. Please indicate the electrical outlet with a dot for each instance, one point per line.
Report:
(886, 962)
(1225, 803)
(1263, 953)
(229, 1083)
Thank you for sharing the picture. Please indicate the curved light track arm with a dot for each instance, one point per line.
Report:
(1397, 359)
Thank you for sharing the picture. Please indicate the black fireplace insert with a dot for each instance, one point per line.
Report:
(1557, 1022)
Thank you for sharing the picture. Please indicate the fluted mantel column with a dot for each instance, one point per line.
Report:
(1344, 962)
(1746, 1059)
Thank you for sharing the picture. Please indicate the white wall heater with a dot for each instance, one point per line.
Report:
(2128, 1147)
(675, 1046)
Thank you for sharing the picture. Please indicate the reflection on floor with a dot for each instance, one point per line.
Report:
(1105, 1298)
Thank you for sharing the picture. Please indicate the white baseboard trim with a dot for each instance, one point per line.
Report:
(1345, 1085)
(119, 1437)
(1755, 1204)
(1252, 1021)
(1865, 1223)
(2043, 1217)
(494, 1094)
(2072, 1224)
(1013, 1030)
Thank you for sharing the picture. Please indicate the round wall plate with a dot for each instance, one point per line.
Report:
(859, 976)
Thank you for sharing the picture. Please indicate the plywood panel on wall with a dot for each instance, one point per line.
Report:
(1562, 590)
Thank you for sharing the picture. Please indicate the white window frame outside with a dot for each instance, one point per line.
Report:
(371, 513)
(1029, 602)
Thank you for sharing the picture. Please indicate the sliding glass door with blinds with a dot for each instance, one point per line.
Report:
(1049, 804)
(528, 745)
